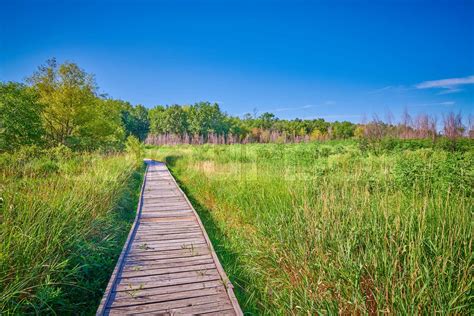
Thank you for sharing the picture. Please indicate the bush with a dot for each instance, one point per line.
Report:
(434, 170)
(135, 148)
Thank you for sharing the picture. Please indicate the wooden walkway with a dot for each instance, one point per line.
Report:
(168, 265)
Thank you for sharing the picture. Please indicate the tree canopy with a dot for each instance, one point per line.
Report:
(20, 116)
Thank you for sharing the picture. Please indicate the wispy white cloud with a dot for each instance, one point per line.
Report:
(445, 103)
(335, 116)
(307, 106)
(331, 116)
(380, 90)
(292, 108)
(450, 85)
(398, 88)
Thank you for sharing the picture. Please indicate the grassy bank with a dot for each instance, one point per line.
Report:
(309, 228)
(64, 218)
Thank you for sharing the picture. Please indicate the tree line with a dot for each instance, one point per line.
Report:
(60, 104)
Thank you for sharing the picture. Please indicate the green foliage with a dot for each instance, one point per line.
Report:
(20, 120)
(135, 148)
(205, 118)
(72, 113)
(343, 130)
(435, 171)
(61, 233)
(135, 119)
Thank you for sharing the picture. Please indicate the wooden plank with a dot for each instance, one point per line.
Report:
(150, 247)
(168, 254)
(149, 271)
(164, 208)
(164, 262)
(168, 232)
(142, 249)
(170, 223)
(166, 284)
(151, 242)
(182, 235)
(138, 298)
(156, 196)
(166, 214)
(138, 283)
(140, 265)
(171, 289)
(214, 308)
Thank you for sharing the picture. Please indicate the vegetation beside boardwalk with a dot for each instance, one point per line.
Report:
(63, 221)
(309, 228)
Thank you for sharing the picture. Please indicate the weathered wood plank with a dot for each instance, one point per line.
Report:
(166, 284)
(171, 289)
(168, 232)
(156, 237)
(134, 265)
(139, 298)
(215, 308)
(168, 254)
(148, 271)
(139, 283)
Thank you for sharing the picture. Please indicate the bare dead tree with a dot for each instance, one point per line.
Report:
(470, 123)
(453, 127)
(405, 125)
(432, 122)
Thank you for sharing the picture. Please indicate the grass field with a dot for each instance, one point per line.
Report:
(309, 228)
(64, 218)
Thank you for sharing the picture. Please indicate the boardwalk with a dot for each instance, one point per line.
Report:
(168, 265)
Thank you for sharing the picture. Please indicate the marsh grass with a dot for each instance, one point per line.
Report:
(328, 228)
(63, 221)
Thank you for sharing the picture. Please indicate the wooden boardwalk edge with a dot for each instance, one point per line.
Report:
(111, 290)
(108, 294)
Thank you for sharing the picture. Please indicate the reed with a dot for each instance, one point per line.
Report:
(63, 221)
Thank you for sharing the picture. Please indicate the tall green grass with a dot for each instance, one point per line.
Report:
(63, 220)
(327, 228)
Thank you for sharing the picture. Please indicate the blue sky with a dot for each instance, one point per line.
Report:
(340, 60)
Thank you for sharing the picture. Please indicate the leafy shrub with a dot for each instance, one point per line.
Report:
(135, 148)
(428, 169)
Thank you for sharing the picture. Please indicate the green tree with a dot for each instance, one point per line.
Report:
(343, 129)
(141, 123)
(175, 120)
(205, 118)
(266, 120)
(135, 120)
(156, 116)
(20, 117)
(73, 115)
